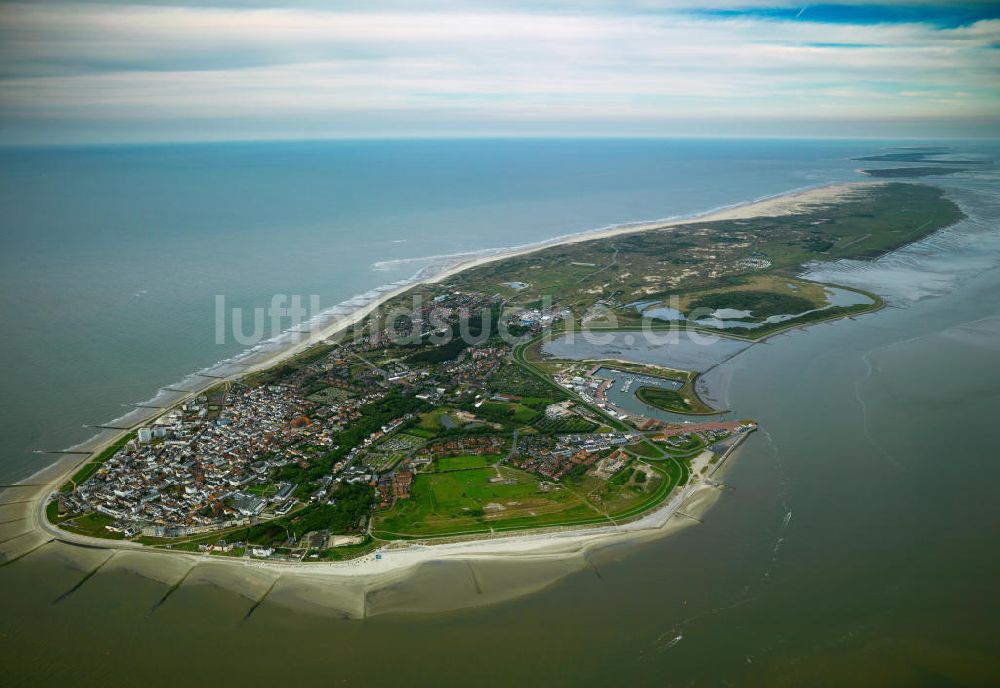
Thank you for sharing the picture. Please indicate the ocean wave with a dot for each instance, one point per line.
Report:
(442, 261)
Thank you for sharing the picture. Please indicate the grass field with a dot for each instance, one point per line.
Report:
(808, 294)
(500, 411)
(348, 551)
(458, 501)
(466, 461)
(665, 399)
(466, 502)
(93, 524)
(693, 444)
(645, 449)
(430, 422)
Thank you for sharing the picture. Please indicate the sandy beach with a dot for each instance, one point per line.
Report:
(783, 204)
(396, 560)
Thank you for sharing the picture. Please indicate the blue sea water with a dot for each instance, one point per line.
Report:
(112, 257)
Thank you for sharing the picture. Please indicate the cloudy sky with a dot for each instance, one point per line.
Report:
(161, 71)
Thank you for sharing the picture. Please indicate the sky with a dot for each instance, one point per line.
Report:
(151, 71)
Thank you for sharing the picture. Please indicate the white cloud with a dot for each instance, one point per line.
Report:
(162, 64)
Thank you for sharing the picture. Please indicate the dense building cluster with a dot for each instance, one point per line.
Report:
(217, 461)
(557, 458)
(318, 445)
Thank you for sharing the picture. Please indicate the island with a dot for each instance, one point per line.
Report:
(511, 394)
(934, 161)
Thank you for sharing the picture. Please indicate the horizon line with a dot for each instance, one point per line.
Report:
(486, 137)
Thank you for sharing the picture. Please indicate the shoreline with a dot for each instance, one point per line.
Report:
(397, 560)
(572, 541)
(195, 383)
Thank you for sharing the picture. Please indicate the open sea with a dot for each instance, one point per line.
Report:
(856, 546)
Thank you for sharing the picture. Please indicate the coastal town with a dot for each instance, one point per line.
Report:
(348, 443)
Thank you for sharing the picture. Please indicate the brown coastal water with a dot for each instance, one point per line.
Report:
(857, 544)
